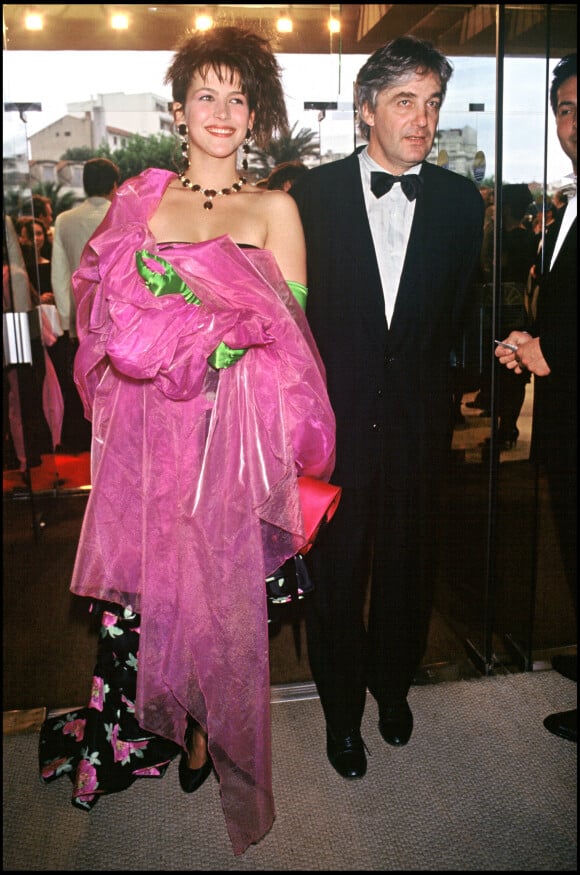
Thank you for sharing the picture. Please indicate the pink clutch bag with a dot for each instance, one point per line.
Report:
(291, 582)
(319, 501)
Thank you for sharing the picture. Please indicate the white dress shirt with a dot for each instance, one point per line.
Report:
(390, 219)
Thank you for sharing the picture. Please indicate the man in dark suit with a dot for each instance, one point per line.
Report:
(550, 353)
(389, 267)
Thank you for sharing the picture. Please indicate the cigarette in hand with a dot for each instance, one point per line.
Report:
(511, 346)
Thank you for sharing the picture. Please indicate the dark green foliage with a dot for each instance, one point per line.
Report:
(293, 147)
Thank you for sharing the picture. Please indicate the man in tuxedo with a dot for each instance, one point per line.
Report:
(389, 266)
(549, 352)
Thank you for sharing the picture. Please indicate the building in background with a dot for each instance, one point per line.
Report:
(460, 146)
(107, 119)
(104, 120)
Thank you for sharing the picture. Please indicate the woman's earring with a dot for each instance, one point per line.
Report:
(246, 150)
(182, 131)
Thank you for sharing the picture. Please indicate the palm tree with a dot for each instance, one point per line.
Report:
(291, 147)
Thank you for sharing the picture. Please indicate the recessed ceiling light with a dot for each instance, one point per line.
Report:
(33, 21)
(284, 24)
(119, 21)
(203, 22)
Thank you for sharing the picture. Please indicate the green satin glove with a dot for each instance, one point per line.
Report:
(224, 356)
(299, 291)
(170, 283)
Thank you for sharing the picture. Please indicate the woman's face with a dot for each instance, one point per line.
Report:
(38, 228)
(216, 114)
(33, 233)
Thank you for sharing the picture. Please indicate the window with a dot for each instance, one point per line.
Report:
(48, 173)
(77, 177)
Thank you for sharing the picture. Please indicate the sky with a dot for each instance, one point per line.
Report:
(54, 79)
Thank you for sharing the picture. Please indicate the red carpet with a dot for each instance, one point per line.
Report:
(58, 471)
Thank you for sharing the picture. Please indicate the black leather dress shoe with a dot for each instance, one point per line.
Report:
(563, 724)
(396, 723)
(566, 665)
(346, 753)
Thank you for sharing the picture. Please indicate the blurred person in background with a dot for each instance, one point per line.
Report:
(283, 176)
(550, 352)
(72, 230)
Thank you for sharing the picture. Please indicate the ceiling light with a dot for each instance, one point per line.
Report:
(203, 22)
(33, 21)
(334, 25)
(120, 21)
(284, 24)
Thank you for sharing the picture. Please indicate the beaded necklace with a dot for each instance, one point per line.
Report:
(210, 193)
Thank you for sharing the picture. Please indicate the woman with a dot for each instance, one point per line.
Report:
(33, 241)
(207, 398)
(32, 396)
(32, 237)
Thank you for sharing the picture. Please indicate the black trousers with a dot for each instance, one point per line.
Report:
(563, 489)
(382, 539)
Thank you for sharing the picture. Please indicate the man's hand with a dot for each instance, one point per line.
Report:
(527, 357)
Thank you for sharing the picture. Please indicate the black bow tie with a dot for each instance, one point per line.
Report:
(381, 183)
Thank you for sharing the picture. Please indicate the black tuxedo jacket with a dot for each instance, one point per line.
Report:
(554, 429)
(390, 387)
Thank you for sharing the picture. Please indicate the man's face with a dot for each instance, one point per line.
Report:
(404, 122)
(566, 118)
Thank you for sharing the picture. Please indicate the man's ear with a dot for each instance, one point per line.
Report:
(367, 115)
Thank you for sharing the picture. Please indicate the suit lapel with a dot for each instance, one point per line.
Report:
(356, 237)
(566, 244)
(550, 238)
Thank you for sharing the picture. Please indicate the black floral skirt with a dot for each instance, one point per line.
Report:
(102, 748)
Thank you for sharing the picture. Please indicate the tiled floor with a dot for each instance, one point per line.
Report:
(470, 435)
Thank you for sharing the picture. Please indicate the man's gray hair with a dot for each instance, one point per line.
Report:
(397, 60)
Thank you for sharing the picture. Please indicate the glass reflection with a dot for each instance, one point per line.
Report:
(490, 556)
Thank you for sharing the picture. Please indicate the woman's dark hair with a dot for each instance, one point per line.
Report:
(288, 171)
(398, 59)
(228, 51)
(26, 224)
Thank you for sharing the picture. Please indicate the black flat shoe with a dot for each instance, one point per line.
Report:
(396, 723)
(346, 753)
(563, 724)
(191, 780)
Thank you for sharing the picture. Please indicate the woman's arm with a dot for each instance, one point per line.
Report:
(285, 237)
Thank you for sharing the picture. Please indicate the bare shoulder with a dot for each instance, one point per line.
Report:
(270, 199)
(276, 204)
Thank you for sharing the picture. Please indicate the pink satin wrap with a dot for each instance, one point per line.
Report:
(194, 496)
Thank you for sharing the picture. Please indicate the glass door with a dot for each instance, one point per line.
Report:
(501, 601)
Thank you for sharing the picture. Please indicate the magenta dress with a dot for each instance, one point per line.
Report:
(194, 496)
